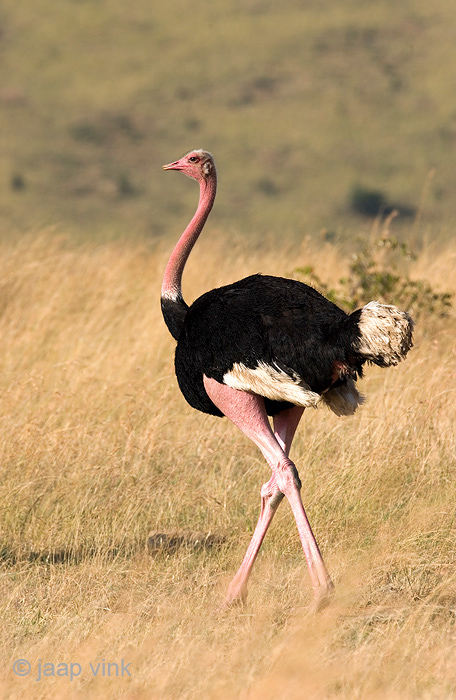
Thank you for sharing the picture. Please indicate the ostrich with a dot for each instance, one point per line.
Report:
(271, 346)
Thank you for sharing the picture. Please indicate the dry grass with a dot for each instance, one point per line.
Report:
(98, 449)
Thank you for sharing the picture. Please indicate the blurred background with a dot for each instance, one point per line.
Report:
(320, 115)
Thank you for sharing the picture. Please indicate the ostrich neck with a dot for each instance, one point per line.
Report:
(172, 280)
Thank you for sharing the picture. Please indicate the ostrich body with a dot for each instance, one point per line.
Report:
(271, 346)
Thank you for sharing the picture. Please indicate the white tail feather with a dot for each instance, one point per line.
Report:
(386, 334)
(343, 400)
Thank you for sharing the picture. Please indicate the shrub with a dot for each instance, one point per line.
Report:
(374, 203)
(375, 275)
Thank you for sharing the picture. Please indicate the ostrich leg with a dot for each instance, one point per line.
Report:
(248, 413)
(271, 497)
(285, 424)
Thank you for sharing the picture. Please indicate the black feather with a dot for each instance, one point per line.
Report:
(262, 319)
(174, 313)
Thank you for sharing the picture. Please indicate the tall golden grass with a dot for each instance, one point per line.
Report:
(98, 448)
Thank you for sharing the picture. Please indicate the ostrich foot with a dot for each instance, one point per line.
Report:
(323, 596)
(236, 595)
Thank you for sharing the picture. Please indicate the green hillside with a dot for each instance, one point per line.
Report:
(300, 102)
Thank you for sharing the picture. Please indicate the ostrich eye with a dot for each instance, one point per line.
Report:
(193, 159)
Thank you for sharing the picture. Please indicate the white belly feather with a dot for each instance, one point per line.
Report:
(275, 384)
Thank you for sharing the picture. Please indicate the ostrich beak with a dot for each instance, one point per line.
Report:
(172, 166)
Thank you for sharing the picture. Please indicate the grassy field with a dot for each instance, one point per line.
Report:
(98, 449)
(298, 102)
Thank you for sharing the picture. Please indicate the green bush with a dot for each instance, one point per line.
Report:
(378, 272)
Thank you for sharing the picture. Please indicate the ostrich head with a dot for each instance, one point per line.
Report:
(197, 164)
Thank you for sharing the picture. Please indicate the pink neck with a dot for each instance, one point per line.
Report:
(172, 279)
